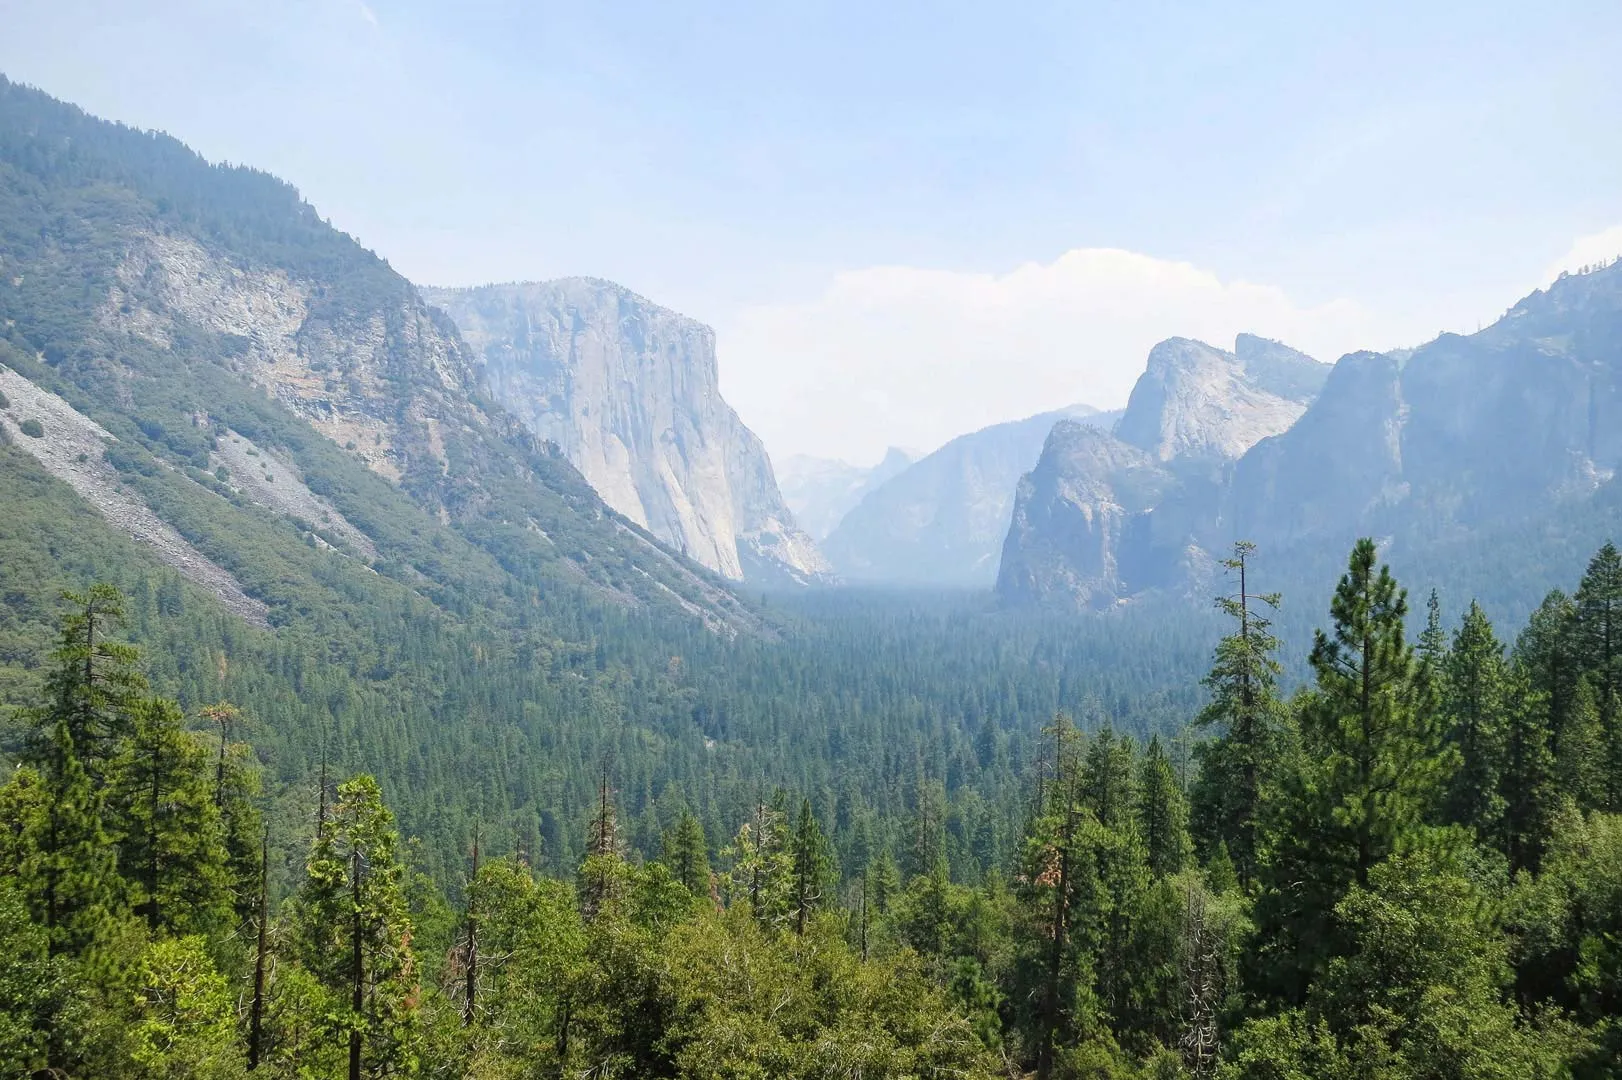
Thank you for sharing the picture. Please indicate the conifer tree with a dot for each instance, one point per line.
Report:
(1245, 709)
(355, 931)
(813, 866)
(1474, 706)
(685, 851)
(1548, 657)
(762, 866)
(1527, 790)
(1374, 719)
(1369, 772)
(1162, 815)
(171, 836)
(1598, 610)
(93, 685)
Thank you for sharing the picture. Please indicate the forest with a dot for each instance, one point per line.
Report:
(1408, 866)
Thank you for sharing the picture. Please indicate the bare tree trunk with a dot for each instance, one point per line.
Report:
(472, 939)
(358, 973)
(256, 1015)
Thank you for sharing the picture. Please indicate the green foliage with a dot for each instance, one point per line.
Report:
(1245, 707)
(32, 428)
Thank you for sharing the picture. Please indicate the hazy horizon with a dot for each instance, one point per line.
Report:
(911, 223)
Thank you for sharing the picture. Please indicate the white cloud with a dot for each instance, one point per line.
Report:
(1600, 247)
(896, 355)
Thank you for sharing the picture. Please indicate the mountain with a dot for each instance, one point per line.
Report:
(941, 520)
(1195, 402)
(1510, 437)
(1107, 514)
(821, 491)
(629, 391)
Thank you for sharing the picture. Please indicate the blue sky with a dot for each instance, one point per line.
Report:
(907, 220)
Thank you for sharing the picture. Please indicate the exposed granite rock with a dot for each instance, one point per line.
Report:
(942, 520)
(1075, 516)
(629, 391)
(1199, 402)
(73, 449)
(1105, 516)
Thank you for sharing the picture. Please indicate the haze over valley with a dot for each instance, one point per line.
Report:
(890, 543)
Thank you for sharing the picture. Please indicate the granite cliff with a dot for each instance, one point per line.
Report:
(628, 390)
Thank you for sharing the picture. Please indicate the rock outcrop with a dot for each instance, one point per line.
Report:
(1513, 432)
(1108, 514)
(629, 391)
(1074, 520)
(1195, 402)
(942, 520)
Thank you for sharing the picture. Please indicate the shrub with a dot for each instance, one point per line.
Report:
(32, 428)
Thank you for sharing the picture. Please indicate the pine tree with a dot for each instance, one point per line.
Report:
(1598, 610)
(602, 871)
(1162, 815)
(885, 881)
(93, 685)
(813, 866)
(1474, 707)
(1374, 719)
(171, 835)
(762, 867)
(1245, 708)
(1548, 659)
(685, 851)
(70, 859)
(1527, 790)
(354, 931)
(1368, 773)
(1107, 784)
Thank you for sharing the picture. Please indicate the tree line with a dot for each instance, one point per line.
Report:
(1410, 867)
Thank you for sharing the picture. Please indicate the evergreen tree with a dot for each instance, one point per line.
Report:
(762, 865)
(685, 851)
(1598, 626)
(1374, 718)
(1474, 707)
(1162, 815)
(69, 859)
(1527, 789)
(1369, 772)
(93, 685)
(171, 834)
(813, 867)
(1107, 785)
(1246, 710)
(1548, 657)
(355, 933)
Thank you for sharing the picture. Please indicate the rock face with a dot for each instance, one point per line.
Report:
(217, 357)
(629, 391)
(1512, 432)
(1195, 402)
(821, 491)
(1105, 515)
(1075, 516)
(942, 520)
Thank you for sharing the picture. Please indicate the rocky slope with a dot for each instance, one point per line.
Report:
(821, 491)
(195, 313)
(942, 520)
(629, 391)
(1106, 515)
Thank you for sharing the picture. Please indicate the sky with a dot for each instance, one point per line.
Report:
(908, 220)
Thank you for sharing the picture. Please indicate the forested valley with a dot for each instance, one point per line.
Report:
(1410, 865)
